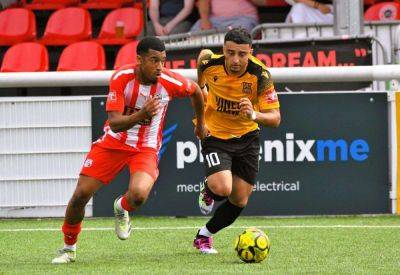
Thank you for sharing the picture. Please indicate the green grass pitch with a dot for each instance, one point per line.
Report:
(307, 245)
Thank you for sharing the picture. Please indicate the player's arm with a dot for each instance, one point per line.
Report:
(269, 114)
(119, 122)
(266, 117)
(202, 60)
(198, 104)
(270, 118)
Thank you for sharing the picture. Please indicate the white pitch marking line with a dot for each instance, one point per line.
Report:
(196, 227)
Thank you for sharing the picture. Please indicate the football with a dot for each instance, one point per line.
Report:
(252, 246)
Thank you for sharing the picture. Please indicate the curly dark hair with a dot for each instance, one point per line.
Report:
(238, 35)
(150, 42)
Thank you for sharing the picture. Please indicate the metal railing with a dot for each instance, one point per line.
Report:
(280, 75)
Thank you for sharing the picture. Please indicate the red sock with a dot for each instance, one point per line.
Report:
(125, 205)
(71, 232)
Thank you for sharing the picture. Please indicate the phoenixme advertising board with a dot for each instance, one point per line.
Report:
(329, 156)
(309, 53)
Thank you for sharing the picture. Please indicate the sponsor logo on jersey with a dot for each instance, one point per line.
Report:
(246, 87)
(227, 106)
(272, 96)
(112, 96)
(129, 110)
(88, 163)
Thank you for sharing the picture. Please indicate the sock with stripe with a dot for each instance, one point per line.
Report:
(122, 204)
(71, 232)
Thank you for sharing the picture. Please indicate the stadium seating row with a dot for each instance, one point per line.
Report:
(113, 4)
(106, 4)
(87, 4)
(69, 25)
(79, 56)
(120, 26)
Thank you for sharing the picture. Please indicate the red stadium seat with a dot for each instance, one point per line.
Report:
(49, 4)
(275, 3)
(383, 12)
(82, 56)
(132, 20)
(26, 57)
(139, 4)
(66, 26)
(369, 2)
(126, 55)
(105, 4)
(17, 25)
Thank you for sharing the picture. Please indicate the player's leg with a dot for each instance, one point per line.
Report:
(218, 183)
(144, 172)
(75, 212)
(244, 167)
(100, 167)
(241, 191)
(140, 185)
(231, 208)
(225, 214)
(244, 170)
(216, 187)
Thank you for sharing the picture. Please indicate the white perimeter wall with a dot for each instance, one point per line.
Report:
(43, 142)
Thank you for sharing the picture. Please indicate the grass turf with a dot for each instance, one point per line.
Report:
(359, 244)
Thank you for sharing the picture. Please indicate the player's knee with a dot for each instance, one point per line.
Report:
(224, 192)
(137, 198)
(239, 202)
(221, 190)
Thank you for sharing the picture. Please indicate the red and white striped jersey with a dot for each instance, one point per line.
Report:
(127, 95)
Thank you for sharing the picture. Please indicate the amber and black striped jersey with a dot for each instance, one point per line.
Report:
(222, 115)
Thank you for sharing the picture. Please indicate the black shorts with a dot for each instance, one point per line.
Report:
(240, 155)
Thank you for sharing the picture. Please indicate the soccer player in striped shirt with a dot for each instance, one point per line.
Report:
(136, 106)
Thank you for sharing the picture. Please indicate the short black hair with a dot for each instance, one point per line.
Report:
(150, 42)
(238, 35)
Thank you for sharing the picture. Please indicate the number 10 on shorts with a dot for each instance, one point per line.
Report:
(212, 159)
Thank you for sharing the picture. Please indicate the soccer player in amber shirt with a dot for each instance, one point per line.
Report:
(241, 96)
(136, 106)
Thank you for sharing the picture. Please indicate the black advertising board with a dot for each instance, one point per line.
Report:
(329, 156)
(341, 52)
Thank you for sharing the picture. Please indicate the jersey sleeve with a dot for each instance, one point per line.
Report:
(203, 62)
(115, 98)
(180, 86)
(267, 96)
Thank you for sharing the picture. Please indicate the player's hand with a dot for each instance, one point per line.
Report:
(246, 107)
(205, 24)
(201, 131)
(151, 107)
